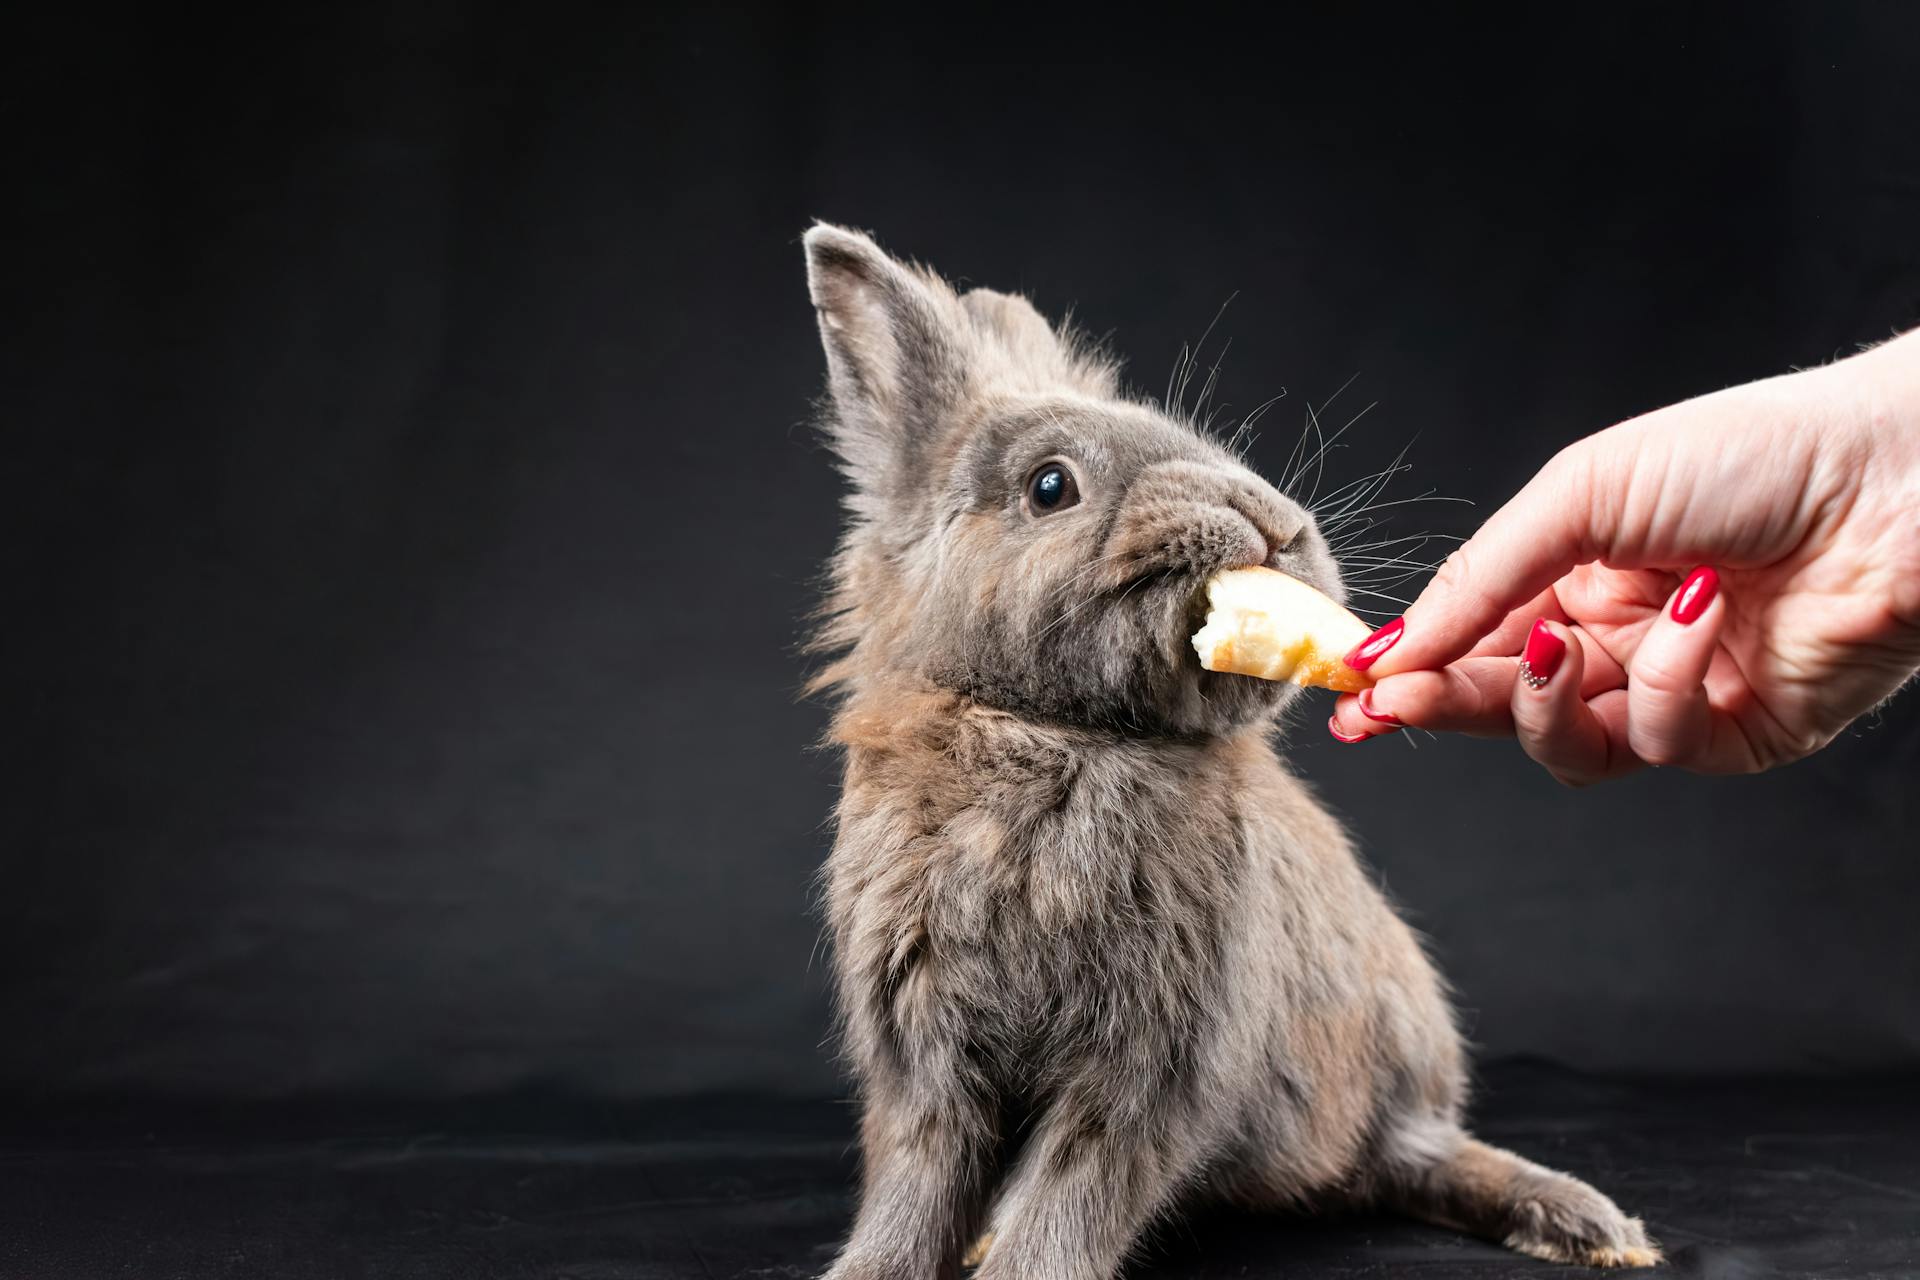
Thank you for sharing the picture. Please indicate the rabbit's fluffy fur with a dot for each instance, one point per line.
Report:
(1096, 947)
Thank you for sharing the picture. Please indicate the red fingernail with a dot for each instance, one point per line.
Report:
(1368, 651)
(1696, 593)
(1542, 657)
(1333, 727)
(1366, 709)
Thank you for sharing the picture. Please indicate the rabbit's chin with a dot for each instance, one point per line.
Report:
(1227, 702)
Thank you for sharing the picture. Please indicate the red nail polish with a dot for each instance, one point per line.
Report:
(1333, 727)
(1368, 651)
(1366, 709)
(1696, 593)
(1542, 657)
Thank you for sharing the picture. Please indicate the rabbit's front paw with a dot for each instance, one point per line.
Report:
(1562, 1219)
(978, 1253)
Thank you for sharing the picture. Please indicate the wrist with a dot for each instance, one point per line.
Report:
(1889, 398)
(1893, 411)
(1865, 413)
(1888, 376)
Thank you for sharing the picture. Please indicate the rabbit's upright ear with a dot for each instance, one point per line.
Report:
(897, 349)
(1032, 354)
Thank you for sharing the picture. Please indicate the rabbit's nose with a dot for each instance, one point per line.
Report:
(1279, 522)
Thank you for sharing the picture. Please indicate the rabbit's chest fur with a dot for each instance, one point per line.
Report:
(1034, 906)
(1027, 895)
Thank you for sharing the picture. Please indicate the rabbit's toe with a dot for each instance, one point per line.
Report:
(1562, 1219)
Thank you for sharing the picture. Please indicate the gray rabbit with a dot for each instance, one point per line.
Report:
(1097, 949)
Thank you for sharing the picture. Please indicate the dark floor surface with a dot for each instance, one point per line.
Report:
(1751, 1179)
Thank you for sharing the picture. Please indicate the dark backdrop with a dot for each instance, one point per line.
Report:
(415, 509)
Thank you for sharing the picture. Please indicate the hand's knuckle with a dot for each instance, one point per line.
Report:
(1460, 576)
(1456, 571)
(1657, 674)
(1808, 742)
(1660, 750)
(1480, 704)
(1557, 474)
(1543, 748)
(1455, 565)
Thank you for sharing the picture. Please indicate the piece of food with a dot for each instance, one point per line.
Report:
(1261, 622)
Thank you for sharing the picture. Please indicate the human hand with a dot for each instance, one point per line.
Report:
(1799, 497)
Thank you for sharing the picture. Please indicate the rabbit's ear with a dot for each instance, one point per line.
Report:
(1013, 320)
(1026, 334)
(1033, 354)
(897, 347)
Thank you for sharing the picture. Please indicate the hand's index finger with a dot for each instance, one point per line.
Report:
(1546, 530)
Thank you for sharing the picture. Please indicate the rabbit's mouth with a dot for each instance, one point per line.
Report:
(1197, 605)
(1284, 561)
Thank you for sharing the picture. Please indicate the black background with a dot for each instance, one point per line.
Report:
(416, 507)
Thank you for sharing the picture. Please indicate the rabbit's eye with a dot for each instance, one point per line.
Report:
(1051, 488)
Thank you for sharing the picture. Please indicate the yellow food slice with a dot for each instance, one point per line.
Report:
(1265, 623)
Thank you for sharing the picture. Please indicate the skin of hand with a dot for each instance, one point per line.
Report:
(1797, 498)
